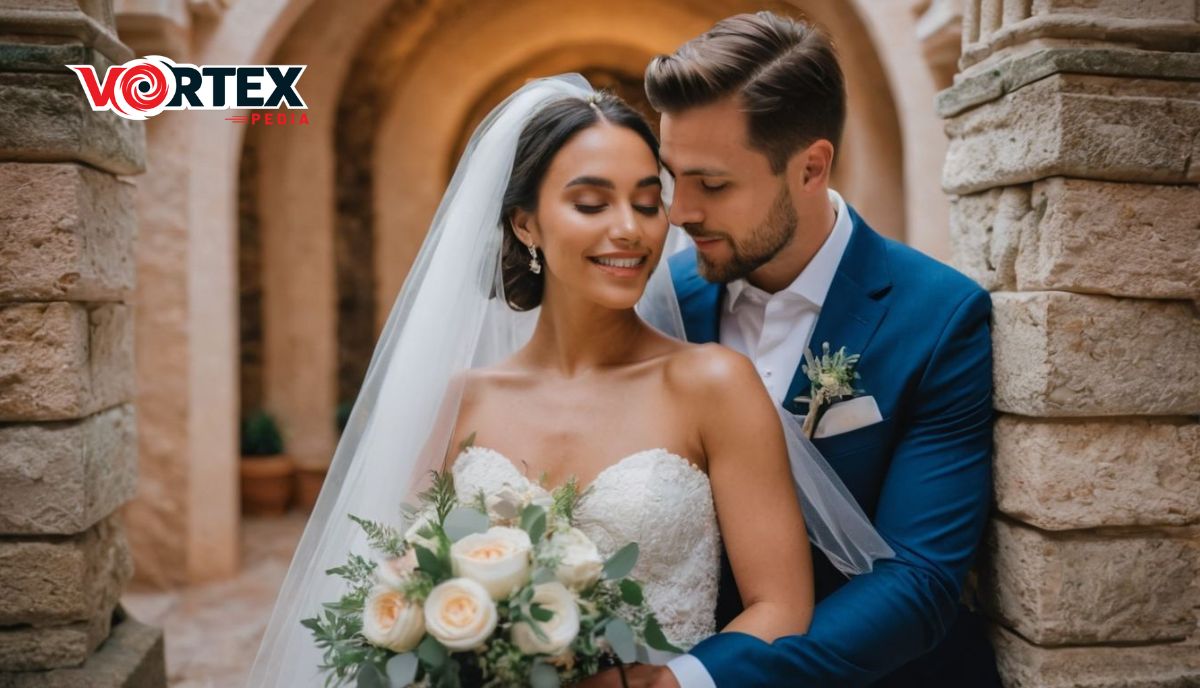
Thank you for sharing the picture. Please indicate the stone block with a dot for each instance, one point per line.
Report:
(1092, 587)
(1137, 240)
(1073, 125)
(62, 478)
(63, 580)
(66, 234)
(45, 117)
(1066, 474)
(63, 361)
(31, 648)
(132, 657)
(1025, 665)
(1060, 354)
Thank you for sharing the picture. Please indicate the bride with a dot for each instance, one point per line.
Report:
(522, 334)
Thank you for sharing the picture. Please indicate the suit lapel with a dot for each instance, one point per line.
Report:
(699, 299)
(853, 307)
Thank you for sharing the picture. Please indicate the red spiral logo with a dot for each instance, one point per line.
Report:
(152, 78)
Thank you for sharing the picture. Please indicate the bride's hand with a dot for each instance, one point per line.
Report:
(636, 676)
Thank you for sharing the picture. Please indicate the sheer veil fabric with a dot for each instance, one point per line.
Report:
(451, 316)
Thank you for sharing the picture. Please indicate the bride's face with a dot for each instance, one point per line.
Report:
(599, 223)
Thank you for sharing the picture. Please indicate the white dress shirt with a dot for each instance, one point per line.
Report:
(773, 330)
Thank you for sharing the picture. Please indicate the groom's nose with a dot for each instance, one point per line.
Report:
(683, 210)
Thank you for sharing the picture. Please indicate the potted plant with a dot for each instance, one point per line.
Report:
(266, 471)
(310, 477)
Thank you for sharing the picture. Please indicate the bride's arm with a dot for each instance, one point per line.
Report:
(757, 509)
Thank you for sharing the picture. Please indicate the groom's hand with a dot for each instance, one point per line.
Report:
(636, 676)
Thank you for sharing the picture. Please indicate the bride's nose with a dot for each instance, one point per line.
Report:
(625, 226)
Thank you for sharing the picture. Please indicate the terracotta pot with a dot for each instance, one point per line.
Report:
(266, 484)
(309, 480)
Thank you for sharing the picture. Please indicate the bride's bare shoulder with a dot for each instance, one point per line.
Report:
(704, 369)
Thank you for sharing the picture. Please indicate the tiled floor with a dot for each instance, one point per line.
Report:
(213, 631)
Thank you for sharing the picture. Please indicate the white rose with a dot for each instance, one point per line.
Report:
(460, 614)
(413, 535)
(504, 505)
(538, 496)
(828, 380)
(579, 564)
(390, 621)
(392, 572)
(560, 630)
(498, 559)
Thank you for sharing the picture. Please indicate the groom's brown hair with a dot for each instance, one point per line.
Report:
(784, 71)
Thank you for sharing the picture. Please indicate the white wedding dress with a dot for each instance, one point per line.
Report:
(655, 498)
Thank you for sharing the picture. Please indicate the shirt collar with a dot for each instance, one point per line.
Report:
(813, 283)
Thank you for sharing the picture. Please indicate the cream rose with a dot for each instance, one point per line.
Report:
(392, 572)
(560, 630)
(504, 506)
(579, 562)
(498, 559)
(460, 614)
(390, 621)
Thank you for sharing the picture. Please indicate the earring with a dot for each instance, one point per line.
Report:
(535, 266)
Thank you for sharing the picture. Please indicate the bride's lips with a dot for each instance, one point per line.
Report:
(621, 264)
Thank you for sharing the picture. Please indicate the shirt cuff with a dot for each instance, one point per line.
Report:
(690, 672)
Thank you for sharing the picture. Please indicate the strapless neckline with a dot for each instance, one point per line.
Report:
(604, 472)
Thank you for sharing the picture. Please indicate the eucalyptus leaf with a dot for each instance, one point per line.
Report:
(620, 636)
(432, 653)
(631, 592)
(533, 522)
(464, 521)
(543, 575)
(656, 639)
(621, 563)
(543, 676)
(402, 670)
(431, 564)
(369, 677)
(540, 613)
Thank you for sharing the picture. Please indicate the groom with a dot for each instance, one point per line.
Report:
(752, 114)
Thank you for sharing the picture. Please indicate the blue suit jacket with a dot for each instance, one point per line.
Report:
(923, 474)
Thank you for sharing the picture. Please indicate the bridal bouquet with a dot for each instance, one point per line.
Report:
(499, 591)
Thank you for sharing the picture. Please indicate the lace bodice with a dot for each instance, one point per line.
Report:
(654, 498)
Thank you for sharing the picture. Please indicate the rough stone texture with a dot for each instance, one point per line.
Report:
(66, 233)
(1076, 235)
(63, 361)
(1065, 474)
(1024, 665)
(1059, 354)
(1091, 127)
(1010, 74)
(61, 478)
(64, 580)
(1092, 587)
(46, 118)
(132, 657)
(30, 648)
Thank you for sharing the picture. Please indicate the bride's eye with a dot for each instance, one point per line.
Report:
(589, 209)
(650, 210)
(713, 187)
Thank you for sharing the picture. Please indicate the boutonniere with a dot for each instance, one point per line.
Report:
(832, 377)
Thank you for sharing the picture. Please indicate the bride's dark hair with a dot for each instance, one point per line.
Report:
(545, 134)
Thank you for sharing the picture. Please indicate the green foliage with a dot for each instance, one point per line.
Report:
(566, 498)
(260, 435)
(440, 497)
(382, 538)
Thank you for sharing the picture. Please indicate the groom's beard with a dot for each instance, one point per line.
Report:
(763, 243)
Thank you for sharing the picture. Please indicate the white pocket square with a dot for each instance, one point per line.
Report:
(848, 415)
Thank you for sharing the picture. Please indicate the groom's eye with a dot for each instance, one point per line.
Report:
(589, 209)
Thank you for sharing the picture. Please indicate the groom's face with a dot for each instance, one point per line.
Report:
(738, 211)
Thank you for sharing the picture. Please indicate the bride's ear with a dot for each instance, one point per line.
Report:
(524, 225)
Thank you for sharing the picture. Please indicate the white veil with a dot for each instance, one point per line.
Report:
(447, 319)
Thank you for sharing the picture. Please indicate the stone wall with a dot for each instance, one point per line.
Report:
(1074, 128)
(68, 439)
